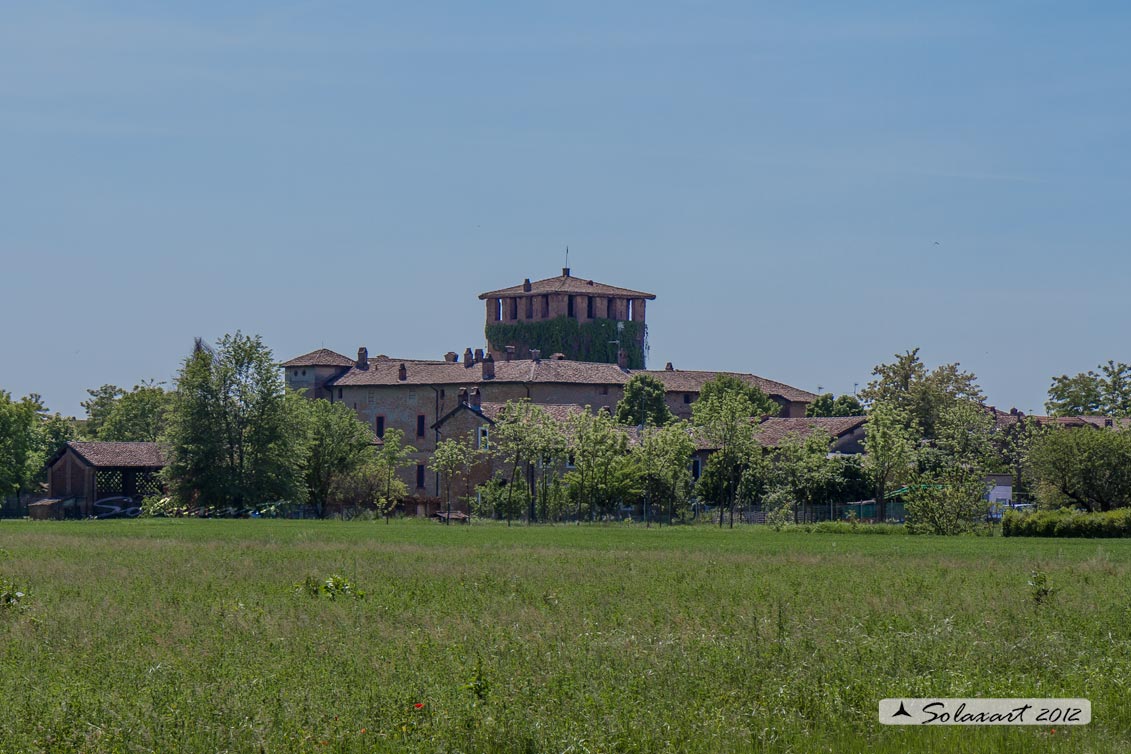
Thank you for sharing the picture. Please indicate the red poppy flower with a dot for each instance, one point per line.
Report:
(418, 705)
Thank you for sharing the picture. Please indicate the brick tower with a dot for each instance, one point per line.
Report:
(579, 318)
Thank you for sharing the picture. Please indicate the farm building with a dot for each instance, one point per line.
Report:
(84, 474)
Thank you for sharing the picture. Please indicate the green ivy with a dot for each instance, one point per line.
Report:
(582, 341)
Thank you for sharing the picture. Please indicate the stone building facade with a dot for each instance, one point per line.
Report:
(412, 395)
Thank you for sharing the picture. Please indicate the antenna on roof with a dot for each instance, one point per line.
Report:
(567, 257)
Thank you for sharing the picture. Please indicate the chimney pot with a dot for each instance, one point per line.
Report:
(363, 358)
(668, 367)
(558, 356)
(468, 358)
(510, 352)
(622, 358)
(526, 285)
(474, 398)
(488, 367)
(479, 354)
(536, 354)
(451, 357)
(463, 396)
(402, 373)
(565, 272)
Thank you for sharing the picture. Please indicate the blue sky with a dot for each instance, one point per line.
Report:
(807, 188)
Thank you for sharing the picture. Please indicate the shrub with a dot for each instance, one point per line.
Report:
(332, 588)
(12, 597)
(1066, 522)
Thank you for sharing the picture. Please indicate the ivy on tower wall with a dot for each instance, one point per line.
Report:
(582, 341)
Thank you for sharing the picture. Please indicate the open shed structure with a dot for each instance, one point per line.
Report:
(84, 473)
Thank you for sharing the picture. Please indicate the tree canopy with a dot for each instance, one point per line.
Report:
(1103, 393)
(643, 403)
(760, 403)
(235, 436)
(826, 404)
(907, 385)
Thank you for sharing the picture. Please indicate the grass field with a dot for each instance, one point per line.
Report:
(189, 636)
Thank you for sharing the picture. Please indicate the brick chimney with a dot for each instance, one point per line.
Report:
(622, 358)
(479, 354)
(536, 354)
(526, 285)
(668, 367)
(474, 398)
(363, 358)
(488, 367)
(468, 358)
(451, 357)
(402, 373)
(510, 352)
(565, 272)
(463, 396)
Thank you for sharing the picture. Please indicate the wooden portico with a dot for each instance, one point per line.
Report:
(88, 472)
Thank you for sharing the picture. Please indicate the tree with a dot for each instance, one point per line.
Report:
(643, 403)
(604, 475)
(722, 419)
(525, 436)
(664, 458)
(760, 403)
(17, 443)
(452, 456)
(801, 471)
(98, 409)
(392, 456)
(1107, 393)
(338, 445)
(826, 404)
(950, 503)
(135, 416)
(890, 444)
(923, 395)
(235, 437)
(1090, 468)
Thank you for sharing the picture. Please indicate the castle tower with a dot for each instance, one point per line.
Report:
(582, 319)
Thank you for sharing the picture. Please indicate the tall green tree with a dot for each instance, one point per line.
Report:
(664, 459)
(235, 436)
(98, 407)
(826, 404)
(377, 481)
(906, 384)
(722, 383)
(802, 472)
(452, 457)
(18, 441)
(604, 475)
(890, 450)
(722, 419)
(138, 415)
(1103, 393)
(643, 403)
(1089, 468)
(522, 437)
(338, 445)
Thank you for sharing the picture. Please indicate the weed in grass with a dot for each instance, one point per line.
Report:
(1041, 589)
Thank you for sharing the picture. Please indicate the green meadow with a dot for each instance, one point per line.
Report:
(191, 636)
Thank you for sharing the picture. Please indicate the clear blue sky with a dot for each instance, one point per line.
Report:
(807, 189)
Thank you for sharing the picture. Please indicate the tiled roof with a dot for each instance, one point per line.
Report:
(323, 357)
(1005, 419)
(560, 412)
(772, 431)
(567, 284)
(386, 371)
(691, 381)
(119, 454)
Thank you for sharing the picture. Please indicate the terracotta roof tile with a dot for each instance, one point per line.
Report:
(323, 357)
(566, 284)
(120, 454)
(772, 431)
(385, 371)
(692, 381)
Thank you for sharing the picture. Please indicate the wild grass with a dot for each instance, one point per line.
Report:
(190, 636)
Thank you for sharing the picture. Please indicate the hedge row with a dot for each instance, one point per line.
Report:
(1067, 523)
